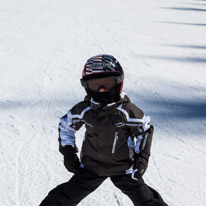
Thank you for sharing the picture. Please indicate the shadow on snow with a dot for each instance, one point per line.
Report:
(186, 46)
(194, 60)
(184, 9)
(181, 23)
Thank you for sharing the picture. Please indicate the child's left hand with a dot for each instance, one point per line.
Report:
(139, 168)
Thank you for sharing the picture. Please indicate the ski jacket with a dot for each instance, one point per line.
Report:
(113, 134)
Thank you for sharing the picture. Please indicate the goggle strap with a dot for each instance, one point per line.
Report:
(83, 83)
(119, 79)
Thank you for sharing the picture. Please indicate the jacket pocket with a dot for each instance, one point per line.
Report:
(114, 143)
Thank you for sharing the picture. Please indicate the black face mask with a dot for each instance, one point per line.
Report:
(105, 97)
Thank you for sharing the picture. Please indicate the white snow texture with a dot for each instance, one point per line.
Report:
(44, 45)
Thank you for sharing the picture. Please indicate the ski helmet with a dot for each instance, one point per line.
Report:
(103, 65)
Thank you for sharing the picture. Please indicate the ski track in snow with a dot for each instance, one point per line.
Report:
(43, 47)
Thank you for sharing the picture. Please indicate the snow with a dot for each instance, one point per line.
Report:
(43, 47)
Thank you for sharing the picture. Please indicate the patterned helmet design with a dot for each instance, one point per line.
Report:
(101, 65)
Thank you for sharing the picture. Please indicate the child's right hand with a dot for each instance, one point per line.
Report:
(71, 160)
(72, 163)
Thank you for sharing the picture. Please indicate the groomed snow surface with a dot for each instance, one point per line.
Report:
(44, 44)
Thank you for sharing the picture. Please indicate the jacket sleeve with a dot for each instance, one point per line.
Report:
(67, 127)
(144, 139)
(139, 128)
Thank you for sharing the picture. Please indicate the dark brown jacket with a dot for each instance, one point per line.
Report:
(113, 134)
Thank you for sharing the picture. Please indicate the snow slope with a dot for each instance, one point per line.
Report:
(43, 46)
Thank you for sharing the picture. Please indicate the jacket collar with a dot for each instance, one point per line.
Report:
(97, 105)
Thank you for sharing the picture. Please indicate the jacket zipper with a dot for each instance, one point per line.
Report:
(115, 142)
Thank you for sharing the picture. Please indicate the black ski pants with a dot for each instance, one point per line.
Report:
(84, 182)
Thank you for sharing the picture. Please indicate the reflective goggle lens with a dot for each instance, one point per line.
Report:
(107, 83)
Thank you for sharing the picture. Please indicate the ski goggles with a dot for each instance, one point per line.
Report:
(106, 82)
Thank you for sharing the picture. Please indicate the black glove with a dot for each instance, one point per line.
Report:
(140, 166)
(71, 160)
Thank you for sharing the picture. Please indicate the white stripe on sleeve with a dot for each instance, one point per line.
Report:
(66, 133)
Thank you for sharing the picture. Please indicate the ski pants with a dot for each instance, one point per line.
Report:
(84, 182)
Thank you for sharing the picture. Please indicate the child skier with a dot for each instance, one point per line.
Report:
(116, 144)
